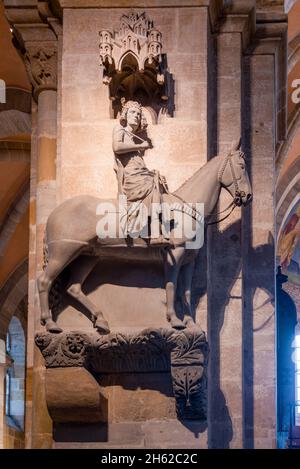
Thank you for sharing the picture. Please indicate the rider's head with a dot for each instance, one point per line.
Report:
(132, 111)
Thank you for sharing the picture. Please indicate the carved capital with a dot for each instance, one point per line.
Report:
(36, 27)
(41, 65)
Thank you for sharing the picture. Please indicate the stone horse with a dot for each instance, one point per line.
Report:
(71, 232)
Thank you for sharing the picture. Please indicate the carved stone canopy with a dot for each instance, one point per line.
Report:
(133, 64)
(183, 353)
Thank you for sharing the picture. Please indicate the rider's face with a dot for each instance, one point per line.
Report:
(133, 117)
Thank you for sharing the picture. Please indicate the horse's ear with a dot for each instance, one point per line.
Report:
(236, 145)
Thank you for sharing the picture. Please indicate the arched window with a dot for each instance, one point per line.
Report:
(297, 370)
(15, 376)
(286, 322)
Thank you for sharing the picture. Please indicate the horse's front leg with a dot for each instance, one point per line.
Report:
(187, 275)
(172, 264)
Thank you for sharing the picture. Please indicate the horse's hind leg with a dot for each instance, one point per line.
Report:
(81, 268)
(44, 283)
(60, 255)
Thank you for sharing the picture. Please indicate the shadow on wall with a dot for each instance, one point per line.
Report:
(226, 272)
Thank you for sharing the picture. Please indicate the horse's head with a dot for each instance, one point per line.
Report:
(234, 178)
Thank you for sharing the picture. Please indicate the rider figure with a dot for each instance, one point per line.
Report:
(141, 186)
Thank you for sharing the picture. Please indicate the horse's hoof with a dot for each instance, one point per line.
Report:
(175, 322)
(52, 327)
(178, 325)
(102, 326)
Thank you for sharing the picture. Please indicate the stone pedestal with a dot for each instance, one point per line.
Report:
(101, 381)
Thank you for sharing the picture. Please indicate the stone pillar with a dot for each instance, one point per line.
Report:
(45, 203)
(37, 41)
(263, 128)
(224, 248)
(31, 278)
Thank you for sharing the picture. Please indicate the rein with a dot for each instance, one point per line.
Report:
(233, 204)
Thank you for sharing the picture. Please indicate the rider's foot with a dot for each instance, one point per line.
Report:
(51, 326)
(102, 326)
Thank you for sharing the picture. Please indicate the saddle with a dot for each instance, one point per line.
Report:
(150, 240)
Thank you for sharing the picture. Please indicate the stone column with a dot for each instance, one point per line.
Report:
(45, 203)
(224, 247)
(31, 277)
(37, 41)
(264, 126)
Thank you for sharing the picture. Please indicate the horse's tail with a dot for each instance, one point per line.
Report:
(56, 297)
(56, 290)
(45, 252)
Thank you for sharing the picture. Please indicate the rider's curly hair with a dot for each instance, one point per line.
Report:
(123, 115)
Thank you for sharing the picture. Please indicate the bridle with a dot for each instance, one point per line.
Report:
(239, 194)
(237, 200)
